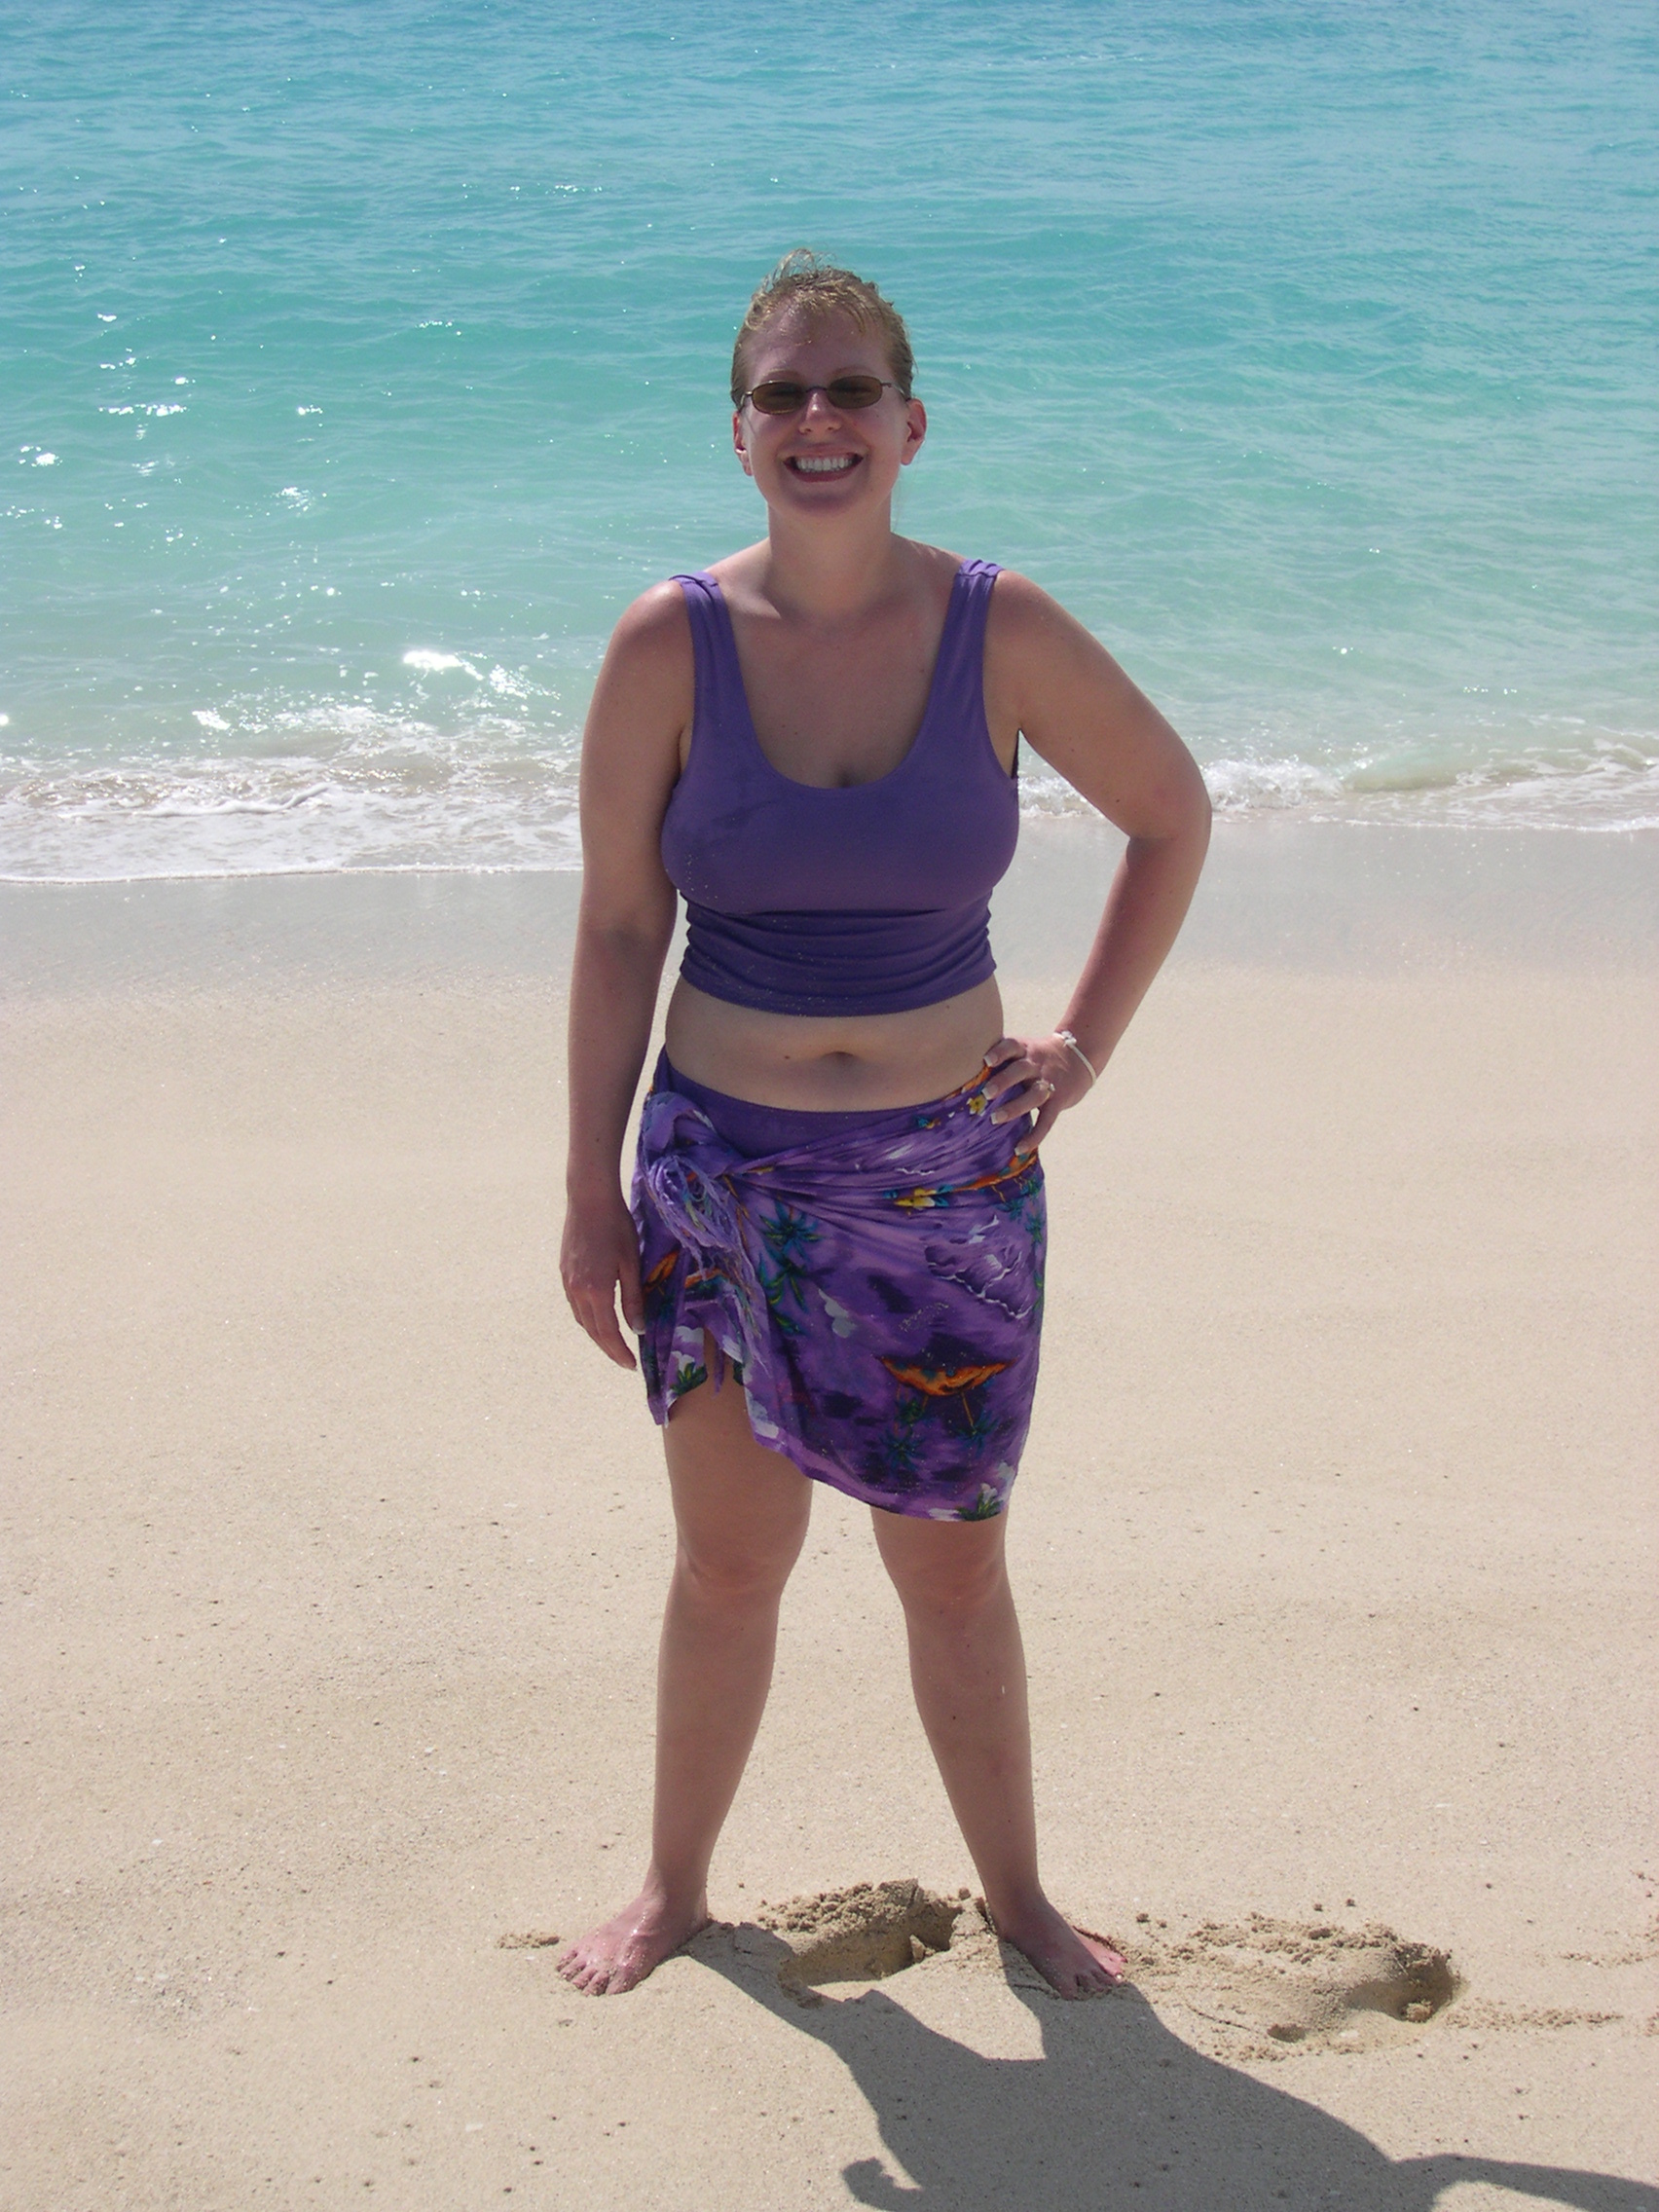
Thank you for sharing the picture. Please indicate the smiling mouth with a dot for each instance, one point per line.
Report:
(823, 464)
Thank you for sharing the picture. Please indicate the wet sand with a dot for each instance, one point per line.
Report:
(334, 1559)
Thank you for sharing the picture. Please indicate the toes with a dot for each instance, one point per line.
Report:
(1111, 1963)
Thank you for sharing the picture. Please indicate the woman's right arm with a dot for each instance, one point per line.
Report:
(631, 755)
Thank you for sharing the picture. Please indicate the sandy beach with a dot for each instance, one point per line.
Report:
(334, 1556)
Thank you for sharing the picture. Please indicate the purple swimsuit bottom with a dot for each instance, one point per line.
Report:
(874, 1281)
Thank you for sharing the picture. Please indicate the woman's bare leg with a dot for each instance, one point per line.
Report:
(967, 1671)
(742, 1515)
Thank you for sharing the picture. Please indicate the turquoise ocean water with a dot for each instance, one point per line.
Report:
(362, 360)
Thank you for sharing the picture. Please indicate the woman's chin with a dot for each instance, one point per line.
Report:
(852, 493)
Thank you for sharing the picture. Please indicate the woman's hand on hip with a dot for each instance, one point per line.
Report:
(1039, 1076)
(600, 1255)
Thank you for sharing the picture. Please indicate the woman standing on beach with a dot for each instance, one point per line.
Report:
(838, 1206)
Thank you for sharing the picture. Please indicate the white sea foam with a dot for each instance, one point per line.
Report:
(342, 787)
(327, 788)
(1609, 785)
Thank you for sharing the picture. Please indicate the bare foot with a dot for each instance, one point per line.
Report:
(610, 1958)
(1073, 1960)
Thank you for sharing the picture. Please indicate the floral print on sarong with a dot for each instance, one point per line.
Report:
(878, 1293)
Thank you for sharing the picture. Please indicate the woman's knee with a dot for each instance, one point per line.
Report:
(940, 1568)
(737, 1571)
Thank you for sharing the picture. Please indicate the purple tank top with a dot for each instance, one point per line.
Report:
(860, 899)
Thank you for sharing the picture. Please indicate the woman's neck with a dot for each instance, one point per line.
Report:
(831, 574)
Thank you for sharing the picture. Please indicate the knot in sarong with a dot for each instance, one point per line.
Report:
(699, 1210)
(687, 1171)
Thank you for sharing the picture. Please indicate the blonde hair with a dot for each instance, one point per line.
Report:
(804, 282)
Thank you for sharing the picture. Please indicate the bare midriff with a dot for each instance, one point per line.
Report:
(832, 1062)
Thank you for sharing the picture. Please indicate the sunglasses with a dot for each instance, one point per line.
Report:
(782, 395)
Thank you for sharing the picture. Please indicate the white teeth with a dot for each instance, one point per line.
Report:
(827, 465)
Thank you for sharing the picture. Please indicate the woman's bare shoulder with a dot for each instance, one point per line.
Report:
(654, 627)
(1021, 611)
(1032, 641)
(643, 697)
(649, 670)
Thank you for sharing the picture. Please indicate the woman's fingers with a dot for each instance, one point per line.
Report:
(600, 1323)
(1025, 1089)
(1015, 1072)
(1045, 1107)
(594, 1304)
(1037, 1078)
(1012, 1104)
(1040, 1127)
(1028, 1099)
(601, 1256)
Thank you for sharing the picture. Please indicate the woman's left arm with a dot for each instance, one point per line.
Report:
(1076, 708)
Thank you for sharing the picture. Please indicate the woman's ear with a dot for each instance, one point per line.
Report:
(737, 445)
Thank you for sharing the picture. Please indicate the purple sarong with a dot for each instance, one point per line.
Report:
(878, 1290)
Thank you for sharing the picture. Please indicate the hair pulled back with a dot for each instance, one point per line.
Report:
(805, 283)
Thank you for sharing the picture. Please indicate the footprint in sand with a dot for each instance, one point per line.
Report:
(1278, 1985)
(1273, 1987)
(866, 1933)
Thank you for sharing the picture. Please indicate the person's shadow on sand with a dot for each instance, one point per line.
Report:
(1118, 2114)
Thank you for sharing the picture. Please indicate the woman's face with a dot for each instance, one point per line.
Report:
(824, 459)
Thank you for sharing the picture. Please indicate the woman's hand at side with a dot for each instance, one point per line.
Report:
(1040, 1076)
(599, 1255)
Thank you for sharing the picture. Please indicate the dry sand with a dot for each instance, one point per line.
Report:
(334, 1556)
